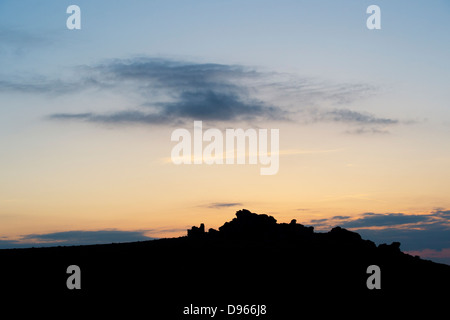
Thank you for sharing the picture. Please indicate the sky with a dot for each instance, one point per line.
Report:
(86, 118)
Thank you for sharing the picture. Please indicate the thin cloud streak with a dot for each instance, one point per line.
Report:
(220, 205)
(75, 237)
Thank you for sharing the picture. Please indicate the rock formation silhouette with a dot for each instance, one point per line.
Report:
(262, 228)
(251, 259)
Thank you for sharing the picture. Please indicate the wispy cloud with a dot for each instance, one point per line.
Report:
(367, 130)
(174, 91)
(335, 218)
(76, 237)
(442, 256)
(370, 219)
(169, 92)
(81, 236)
(220, 205)
(416, 232)
(349, 116)
(225, 155)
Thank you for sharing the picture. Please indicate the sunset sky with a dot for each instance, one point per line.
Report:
(86, 118)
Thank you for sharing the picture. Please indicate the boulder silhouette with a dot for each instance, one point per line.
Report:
(252, 226)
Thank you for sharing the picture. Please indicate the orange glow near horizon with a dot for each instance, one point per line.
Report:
(117, 181)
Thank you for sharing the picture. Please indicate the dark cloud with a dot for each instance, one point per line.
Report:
(173, 92)
(379, 220)
(367, 130)
(219, 106)
(18, 42)
(9, 244)
(25, 86)
(432, 236)
(387, 219)
(64, 116)
(327, 222)
(78, 237)
(122, 117)
(44, 85)
(210, 106)
(415, 232)
(442, 213)
(359, 122)
(218, 205)
(340, 217)
(171, 230)
(175, 75)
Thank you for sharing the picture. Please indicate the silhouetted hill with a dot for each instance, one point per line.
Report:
(250, 260)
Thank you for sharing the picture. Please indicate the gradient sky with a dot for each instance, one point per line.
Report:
(86, 117)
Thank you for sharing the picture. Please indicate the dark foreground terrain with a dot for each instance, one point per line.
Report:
(251, 260)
